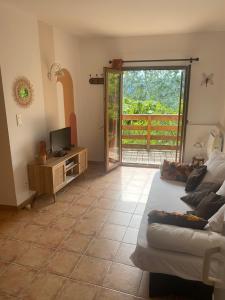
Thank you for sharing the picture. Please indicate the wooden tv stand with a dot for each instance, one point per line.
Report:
(57, 172)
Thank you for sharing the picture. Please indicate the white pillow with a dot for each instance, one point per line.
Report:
(216, 222)
(215, 154)
(214, 142)
(221, 190)
(215, 167)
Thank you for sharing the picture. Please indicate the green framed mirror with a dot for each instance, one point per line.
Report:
(23, 91)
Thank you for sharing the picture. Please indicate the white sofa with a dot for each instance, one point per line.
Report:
(168, 249)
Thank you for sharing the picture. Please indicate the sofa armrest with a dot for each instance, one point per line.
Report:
(183, 240)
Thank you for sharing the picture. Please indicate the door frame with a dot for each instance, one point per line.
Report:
(187, 69)
(106, 138)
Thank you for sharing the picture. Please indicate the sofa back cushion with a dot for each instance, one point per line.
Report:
(181, 220)
(195, 178)
(209, 205)
(175, 171)
(215, 167)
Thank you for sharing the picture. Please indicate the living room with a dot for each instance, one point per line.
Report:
(35, 36)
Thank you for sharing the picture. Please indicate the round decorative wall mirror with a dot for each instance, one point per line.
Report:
(23, 91)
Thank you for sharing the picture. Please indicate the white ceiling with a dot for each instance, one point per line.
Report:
(128, 17)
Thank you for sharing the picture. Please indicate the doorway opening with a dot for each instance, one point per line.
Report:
(145, 115)
(152, 115)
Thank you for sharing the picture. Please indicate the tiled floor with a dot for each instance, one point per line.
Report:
(77, 248)
(145, 157)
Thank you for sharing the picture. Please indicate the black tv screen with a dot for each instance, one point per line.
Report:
(60, 139)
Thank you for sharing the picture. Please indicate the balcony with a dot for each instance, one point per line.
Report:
(149, 139)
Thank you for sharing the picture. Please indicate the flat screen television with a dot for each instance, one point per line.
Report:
(60, 140)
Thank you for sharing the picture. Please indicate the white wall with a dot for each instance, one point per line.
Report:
(67, 54)
(204, 103)
(20, 56)
(29, 49)
(7, 189)
(47, 53)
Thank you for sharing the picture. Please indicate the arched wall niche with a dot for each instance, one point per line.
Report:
(69, 108)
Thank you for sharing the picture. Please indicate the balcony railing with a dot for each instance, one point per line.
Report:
(157, 132)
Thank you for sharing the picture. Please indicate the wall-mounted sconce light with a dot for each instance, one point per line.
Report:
(207, 79)
(55, 71)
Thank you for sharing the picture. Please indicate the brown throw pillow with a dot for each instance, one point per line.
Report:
(208, 186)
(175, 171)
(193, 199)
(195, 178)
(209, 205)
(181, 220)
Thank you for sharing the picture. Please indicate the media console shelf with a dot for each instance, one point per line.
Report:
(57, 172)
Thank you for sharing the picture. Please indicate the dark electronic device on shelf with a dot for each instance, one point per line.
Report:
(60, 141)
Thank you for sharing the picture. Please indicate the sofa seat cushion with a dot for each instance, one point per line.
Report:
(184, 240)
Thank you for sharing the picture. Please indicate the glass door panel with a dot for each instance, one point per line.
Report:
(113, 83)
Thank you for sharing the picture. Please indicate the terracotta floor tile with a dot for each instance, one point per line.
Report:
(76, 211)
(78, 291)
(9, 228)
(105, 203)
(65, 197)
(124, 253)
(4, 296)
(91, 269)
(123, 278)
(56, 208)
(112, 232)
(76, 189)
(44, 287)
(144, 286)
(15, 279)
(97, 214)
(103, 248)
(30, 232)
(86, 200)
(140, 209)
(117, 187)
(110, 194)
(76, 242)
(95, 192)
(3, 266)
(119, 218)
(44, 219)
(143, 199)
(6, 214)
(63, 222)
(135, 221)
(130, 196)
(128, 207)
(63, 262)
(35, 256)
(51, 237)
(11, 249)
(23, 215)
(88, 226)
(90, 217)
(106, 294)
(131, 236)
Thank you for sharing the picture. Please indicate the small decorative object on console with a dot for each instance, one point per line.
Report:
(42, 152)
